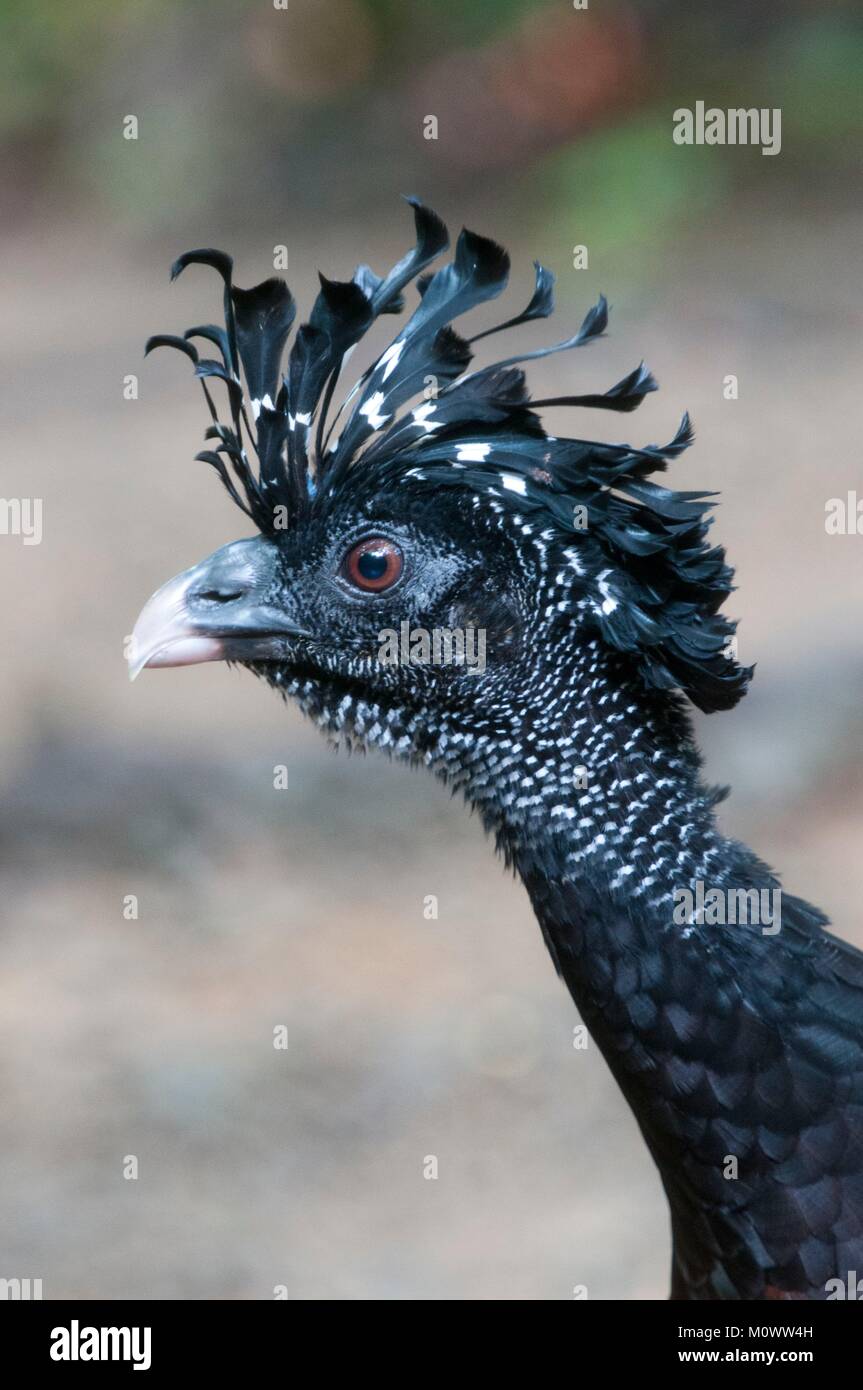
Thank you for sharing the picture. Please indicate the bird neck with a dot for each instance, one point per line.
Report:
(602, 811)
(600, 787)
(596, 798)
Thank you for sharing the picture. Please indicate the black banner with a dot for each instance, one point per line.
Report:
(218, 1339)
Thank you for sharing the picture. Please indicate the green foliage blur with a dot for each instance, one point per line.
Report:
(321, 103)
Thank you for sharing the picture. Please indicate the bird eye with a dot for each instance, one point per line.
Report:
(373, 565)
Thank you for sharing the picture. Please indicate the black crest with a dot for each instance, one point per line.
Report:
(418, 414)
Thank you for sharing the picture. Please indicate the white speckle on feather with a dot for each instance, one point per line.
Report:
(513, 483)
(421, 417)
(473, 453)
(371, 408)
(389, 360)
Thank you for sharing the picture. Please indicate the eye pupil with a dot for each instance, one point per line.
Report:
(372, 564)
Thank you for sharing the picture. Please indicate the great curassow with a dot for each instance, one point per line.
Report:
(435, 498)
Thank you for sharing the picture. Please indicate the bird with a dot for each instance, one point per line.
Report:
(434, 500)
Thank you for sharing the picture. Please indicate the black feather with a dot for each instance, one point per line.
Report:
(264, 316)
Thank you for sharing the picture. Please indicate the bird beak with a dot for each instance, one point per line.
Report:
(216, 611)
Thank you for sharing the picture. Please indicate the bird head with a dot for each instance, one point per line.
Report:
(429, 564)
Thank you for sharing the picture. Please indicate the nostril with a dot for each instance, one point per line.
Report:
(223, 595)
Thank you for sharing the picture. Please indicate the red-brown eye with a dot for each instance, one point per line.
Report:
(373, 565)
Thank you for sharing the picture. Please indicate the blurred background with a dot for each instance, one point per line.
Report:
(261, 127)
